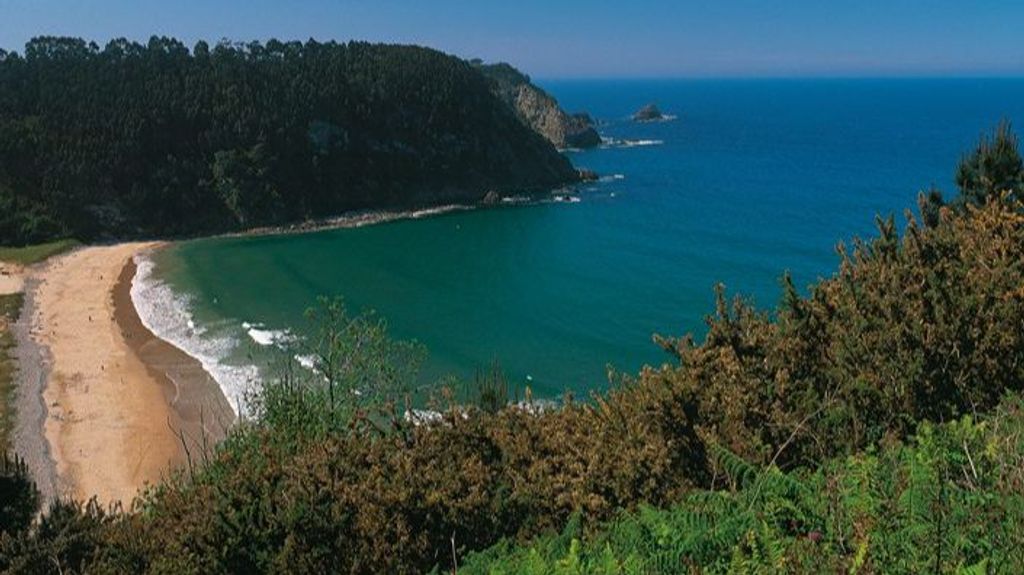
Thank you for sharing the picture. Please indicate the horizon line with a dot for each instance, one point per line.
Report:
(693, 75)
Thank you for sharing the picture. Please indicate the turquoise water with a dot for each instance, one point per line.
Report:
(751, 179)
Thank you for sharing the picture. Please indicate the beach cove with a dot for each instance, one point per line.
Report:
(743, 181)
(120, 409)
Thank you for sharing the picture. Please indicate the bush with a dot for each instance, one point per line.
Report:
(992, 169)
(69, 538)
(923, 327)
(950, 500)
(19, 498)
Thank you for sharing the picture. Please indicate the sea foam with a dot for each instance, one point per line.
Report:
(616, 143)
(169, 316)
(268, 337)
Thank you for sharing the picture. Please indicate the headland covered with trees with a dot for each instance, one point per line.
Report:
(157, 139)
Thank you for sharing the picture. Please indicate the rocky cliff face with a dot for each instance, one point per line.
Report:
(538, 109)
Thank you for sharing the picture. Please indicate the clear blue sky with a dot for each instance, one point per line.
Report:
(595, 38)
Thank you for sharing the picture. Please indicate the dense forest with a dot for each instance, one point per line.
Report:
(875, 425)
(157, 139)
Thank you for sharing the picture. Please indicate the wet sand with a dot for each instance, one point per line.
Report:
(202, 413)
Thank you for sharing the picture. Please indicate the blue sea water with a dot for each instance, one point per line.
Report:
(750, 179)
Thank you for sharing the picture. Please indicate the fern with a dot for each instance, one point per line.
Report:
(915, 507)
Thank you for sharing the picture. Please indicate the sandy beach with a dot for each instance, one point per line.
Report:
(118, 400)
(12, 279)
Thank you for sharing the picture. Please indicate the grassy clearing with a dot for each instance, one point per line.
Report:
(29, 255)
(10, 307)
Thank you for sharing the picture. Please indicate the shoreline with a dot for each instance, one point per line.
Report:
(360, 218)
(105, 407)
(112, 440)
(347, 220)
(203, 414)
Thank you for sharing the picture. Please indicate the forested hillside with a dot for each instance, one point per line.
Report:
(133, 139)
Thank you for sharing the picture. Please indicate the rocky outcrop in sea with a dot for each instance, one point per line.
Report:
(649, 113)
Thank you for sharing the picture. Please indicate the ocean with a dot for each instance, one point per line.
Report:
(748, 179)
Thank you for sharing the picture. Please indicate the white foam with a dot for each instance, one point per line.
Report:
(268, 337)
(613, 143)
(422, 416)
(262, 336)
(536, 406)
(663, 118)
(168, 315)
(307, 361)
(427, 212)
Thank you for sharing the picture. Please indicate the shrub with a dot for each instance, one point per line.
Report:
(993, 168)
(950, 500)
(919, 327)
(19, 498)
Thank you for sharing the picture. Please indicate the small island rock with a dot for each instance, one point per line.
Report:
(648, 113)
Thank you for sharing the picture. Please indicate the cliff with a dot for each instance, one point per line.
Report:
(538, 109)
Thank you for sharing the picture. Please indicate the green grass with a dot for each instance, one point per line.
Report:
(10, 307)
(29, 255)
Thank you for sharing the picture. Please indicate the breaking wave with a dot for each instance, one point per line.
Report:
(169, 316)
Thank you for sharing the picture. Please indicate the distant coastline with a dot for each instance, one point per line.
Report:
(354, 219)
(370, 217)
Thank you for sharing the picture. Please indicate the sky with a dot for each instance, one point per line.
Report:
(589, 38)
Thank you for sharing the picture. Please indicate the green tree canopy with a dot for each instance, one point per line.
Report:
(993, 168)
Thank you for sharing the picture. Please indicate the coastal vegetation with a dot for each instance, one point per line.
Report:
(871, 425)
(133, 140)
(994, 167)
(10, 308)
(947, 500)
(33, 254)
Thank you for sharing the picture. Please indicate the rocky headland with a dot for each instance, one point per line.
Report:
(538, 109)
